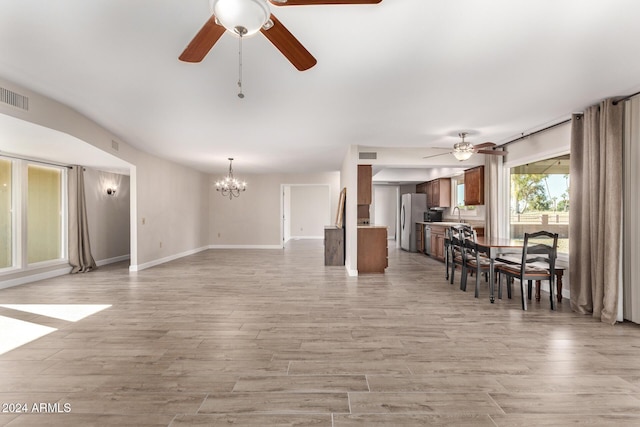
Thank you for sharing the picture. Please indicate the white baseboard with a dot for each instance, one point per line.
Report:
(34, 277)
(112, 260)
(245, 247)
(306, 237)
(155, 262)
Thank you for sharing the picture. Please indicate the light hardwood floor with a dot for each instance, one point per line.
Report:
(272, 337)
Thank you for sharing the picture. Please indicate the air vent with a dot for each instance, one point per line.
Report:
(115, 145)
(368, 156)
(14, 99)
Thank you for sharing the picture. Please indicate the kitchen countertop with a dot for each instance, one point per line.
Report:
(372, 226)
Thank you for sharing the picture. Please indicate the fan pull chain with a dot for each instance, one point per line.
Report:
(240, 94)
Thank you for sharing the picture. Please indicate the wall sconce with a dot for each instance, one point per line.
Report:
(111, 191)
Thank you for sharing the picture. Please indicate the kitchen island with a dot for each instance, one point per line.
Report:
(372, 249)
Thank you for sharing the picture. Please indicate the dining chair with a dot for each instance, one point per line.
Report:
(450, 249)
(475, 262)
(460, 253)
(467, 235)
(538, 261)
(455, 251)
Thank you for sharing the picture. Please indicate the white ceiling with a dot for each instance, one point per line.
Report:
(406, 74)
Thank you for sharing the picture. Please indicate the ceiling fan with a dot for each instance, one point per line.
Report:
(463, 150)
(245, 18)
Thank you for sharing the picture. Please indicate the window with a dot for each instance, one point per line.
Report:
(457, 182)
(6, 220)
(32, 214)
(44, 214)
(539, 199)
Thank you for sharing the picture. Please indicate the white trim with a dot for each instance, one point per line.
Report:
(159, 261)
(112, 260)
(34, 277)
(306, 237)
(286, 216)
(245, 247)
(351, 272)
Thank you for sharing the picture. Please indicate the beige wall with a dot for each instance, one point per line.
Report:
(310, 210)
(174, 217)
(109, 227)
(255, 218)
(171, 219)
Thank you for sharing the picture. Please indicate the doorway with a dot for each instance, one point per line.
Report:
(306, 210)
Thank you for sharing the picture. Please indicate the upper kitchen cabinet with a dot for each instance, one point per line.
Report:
(441, 192)
(422, 188)
(474, 186)
(365, 176)
(438, 192)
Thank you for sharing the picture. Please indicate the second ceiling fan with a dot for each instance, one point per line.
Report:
(463, 150)
(245, 18)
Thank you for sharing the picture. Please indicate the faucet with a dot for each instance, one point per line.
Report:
(454, 211)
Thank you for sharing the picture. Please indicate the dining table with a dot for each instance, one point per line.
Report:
(493, 247)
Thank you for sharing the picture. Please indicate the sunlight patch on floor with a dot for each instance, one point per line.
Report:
(14, 333)
(68, 312)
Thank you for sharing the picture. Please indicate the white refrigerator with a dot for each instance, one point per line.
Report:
(414, 205)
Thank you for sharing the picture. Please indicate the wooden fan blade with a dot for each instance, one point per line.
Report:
(290, 47)
(484, 145)
(437, 155)
(493, 152)
(315, 2)
(203, 41)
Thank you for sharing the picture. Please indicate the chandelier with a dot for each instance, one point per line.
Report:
(463, 150)
(230, 186)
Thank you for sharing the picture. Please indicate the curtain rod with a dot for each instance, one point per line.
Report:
(625, 98)
(11, 156)
(533, 133)
(560, 123)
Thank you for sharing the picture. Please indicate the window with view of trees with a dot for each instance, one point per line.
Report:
(539, 199)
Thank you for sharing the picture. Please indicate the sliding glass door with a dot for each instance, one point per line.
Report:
(32, 215)
(6, 217)
(44, 214)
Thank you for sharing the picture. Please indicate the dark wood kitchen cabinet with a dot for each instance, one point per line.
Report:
(474, 186)
(372, 249)
(422, 188)
(440, 190)
(365, 175)
(420, 238)
(437, 241)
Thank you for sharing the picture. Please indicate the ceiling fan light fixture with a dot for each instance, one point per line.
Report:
(463, 150)
(250, 15)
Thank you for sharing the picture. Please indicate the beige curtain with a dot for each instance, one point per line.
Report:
(80, 256)
(596, 210)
